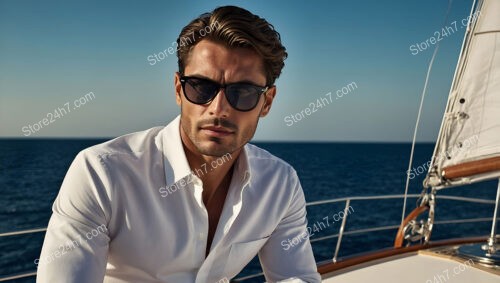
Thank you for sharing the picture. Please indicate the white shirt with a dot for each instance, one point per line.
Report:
(131, 210)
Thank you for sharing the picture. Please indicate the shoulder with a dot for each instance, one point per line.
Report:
(262, 161)
(133, 145)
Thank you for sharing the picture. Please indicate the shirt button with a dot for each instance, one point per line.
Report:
(201, 236)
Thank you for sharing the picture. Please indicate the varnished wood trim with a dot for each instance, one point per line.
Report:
(327, 267)
(472, 168)
(398, 242)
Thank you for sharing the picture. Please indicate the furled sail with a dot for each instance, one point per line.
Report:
(468, 146)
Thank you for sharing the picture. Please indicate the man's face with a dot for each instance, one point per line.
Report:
(216, 128)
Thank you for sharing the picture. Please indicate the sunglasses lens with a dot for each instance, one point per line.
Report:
(200, 91)
(243, 97)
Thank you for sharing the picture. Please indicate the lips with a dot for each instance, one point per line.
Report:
(216, 131)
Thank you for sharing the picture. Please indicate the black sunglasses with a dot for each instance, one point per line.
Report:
(241, 96)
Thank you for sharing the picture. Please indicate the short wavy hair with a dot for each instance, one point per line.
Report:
(235, 27)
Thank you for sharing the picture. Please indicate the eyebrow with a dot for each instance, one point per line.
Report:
(199, 76)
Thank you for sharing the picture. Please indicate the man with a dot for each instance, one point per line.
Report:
(192, 201)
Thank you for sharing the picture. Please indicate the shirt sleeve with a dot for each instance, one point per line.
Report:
(77, 239)
(287, 256)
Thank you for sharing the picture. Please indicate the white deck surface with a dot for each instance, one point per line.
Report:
(416, 269)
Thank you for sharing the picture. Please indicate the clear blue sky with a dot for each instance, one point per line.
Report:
(53, 52)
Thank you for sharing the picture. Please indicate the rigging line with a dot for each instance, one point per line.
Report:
(431, 63)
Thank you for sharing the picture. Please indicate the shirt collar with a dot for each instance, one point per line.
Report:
(175, 161)
(242, 166)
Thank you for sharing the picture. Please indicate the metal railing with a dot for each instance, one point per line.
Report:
(17, 233)
(348, 200)
(339, 235)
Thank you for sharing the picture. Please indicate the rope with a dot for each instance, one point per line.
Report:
(424, 91)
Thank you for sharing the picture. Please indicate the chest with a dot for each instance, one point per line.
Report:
(214, 206)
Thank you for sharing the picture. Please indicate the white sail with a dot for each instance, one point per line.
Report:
(470, 132)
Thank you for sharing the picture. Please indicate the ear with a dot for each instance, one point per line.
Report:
(178, 88)
(268, 101)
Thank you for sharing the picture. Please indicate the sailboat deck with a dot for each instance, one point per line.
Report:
(418, 267)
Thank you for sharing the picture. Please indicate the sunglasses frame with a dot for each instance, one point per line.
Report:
(184, 80)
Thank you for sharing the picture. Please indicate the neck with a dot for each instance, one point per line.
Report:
(215, 172)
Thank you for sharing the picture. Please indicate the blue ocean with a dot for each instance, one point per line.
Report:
(32, 170)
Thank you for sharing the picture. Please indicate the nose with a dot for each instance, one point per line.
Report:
(219, 106)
